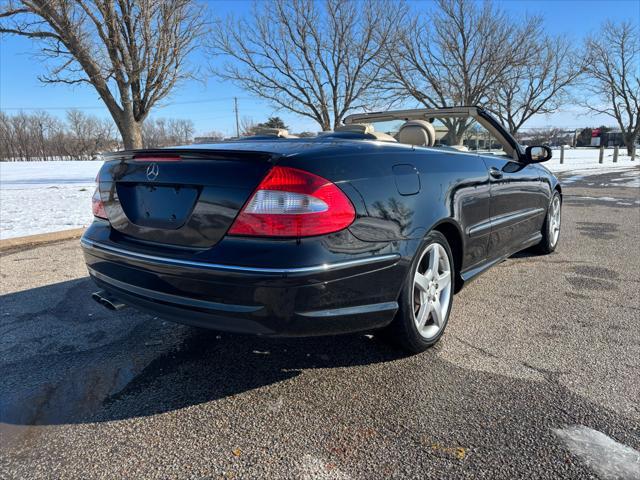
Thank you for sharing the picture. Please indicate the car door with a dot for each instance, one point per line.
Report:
(517, 205)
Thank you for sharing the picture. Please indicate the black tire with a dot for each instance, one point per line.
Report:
(549, 242)
(403, 330)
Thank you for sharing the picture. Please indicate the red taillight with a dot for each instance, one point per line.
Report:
(293, 203)
(97, 206)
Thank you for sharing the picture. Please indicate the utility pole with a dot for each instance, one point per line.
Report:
(235, 101)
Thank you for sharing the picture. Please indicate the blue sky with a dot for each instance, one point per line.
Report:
(210, 103)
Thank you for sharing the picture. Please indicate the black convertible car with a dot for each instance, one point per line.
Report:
(375, 225)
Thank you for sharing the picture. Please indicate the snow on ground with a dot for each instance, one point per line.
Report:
(608, 458)
(587, 159)
(625, 176)
(40, 197)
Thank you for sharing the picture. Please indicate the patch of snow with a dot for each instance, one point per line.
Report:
(631, 173)
(41, 197)
(633, 183)
(573, 179)
(596, 169)
(603, 199)
(35, 174)
(608, 458)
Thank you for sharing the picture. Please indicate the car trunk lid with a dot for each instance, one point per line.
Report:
(182, 197)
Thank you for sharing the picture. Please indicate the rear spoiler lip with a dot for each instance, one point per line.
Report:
(195, 154)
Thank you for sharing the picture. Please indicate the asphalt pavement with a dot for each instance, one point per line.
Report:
(537, 376)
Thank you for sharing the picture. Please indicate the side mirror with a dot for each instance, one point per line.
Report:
(537, 154)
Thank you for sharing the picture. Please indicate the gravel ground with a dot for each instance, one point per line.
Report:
(535, 347)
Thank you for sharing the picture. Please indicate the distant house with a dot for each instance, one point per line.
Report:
(546, 136)
(613, 138)
(601, 136)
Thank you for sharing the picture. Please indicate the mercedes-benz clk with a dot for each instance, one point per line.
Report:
(372, 227)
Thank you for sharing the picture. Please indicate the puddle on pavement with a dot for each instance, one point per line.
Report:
(598, 230)
(595, 272)
(588, 283)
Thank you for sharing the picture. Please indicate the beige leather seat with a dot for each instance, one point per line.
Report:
(460, 148)
(367, 129)
(384, 137)
(417, 132)
(275, 132)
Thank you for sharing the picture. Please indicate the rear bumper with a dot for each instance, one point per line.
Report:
(334, 297)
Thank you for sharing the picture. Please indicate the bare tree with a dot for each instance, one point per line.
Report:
(21, 136)
(40, 136)
(210, 137)
(455, 54)
(545, 136)
(248, 126)
(181, 131)
(539, 85)
(162, 132)
(314, 59)
(613, 77)
(133, 52)
(87, 135)
(7, 145)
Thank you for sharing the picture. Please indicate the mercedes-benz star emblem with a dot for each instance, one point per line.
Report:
(152, 171)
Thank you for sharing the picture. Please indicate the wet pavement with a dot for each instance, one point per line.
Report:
(536, 349)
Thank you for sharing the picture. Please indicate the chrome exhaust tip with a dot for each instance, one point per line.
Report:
(107, 301)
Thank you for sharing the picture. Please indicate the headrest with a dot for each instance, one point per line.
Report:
(356, 128)
(417, 132)
(383, 137)
(276, 132)
(366, 129)
(460, 148)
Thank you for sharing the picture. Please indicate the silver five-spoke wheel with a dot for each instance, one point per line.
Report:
(432, 291)
(554, 221)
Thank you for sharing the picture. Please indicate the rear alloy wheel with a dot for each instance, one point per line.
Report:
(426, 298)
(551, 228)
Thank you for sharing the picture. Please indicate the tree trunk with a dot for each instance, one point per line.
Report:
(630, 142)
(131, 132)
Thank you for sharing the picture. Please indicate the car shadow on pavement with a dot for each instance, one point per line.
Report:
(66, 359)
(530, 252)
